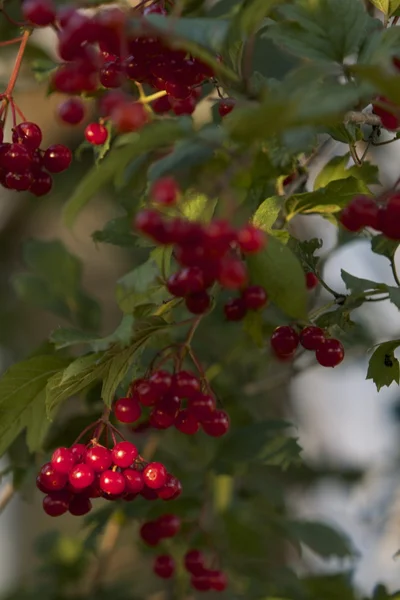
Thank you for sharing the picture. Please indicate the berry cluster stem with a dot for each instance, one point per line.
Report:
(17, 65)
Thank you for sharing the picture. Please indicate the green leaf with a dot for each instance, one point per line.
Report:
(382, 5)
(384, 368)
(305, 252)
(197, 207)
(336, 169)
(381, 80)
(22, 398)
(251, 14)
(117, 232)
(37, 423)
(253, 326)
(340, 317)
(278, 270)
(267, 213)
(140, 286)
(380, 244)
(321, 538)
(359, 285)
(394, 5)
(186, 155)
(154, 136)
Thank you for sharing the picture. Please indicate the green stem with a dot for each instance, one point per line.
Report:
(394, 271)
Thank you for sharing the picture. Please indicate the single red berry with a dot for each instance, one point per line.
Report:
(29, 134)
(390, 116)
(112, 482)
(147, 392)
(198, 303)
(361, 212)
(217, 424)
(129, 117)
(160, 419)
(150, 533)
(388, 218)
(123, 454)
(161, 382)
(225, 107)
(201, 583)
(164, 566)
(80, 505)
(78, 452)
(161, 105)
(218, 581)
(96, 134)
(39, 12)
(50, 479)
(194, 562)
(57, 158)
(133, 481)
(189, 280)
(233, 273)
(41, 184)
(251, 239)
(168, 525)
(152, 224)
(149, 494)
(155, 475)
(183, 107)
(81, 476)
(235, 309)
(15, 158)
(20, 182)
(201, 406)
(111, 74)
(56, 503)
(127, 410)
(254, 297)
(330, 354)
(62, 460)
(312, 337)
(185, 384)
(219, 236)
(165, 191)
(186, 422)
(284, 341)
(171, 489)
(71, 111)
(99, 458)
(311, 281)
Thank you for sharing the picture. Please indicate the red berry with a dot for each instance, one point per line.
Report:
(235, 309)
(194, 562)
(330, 354)
(254, 297)
(123, 454)
(284, 341)
(161, 105)
(390, 117)
(312, 337)
(251, 239)
(183, 107)
(161, 420)
(201, 406)
(149, 494)
(112, 482)
(56, 503)
(20, 182)
(201, 583)
(15, 158)
(62, 460)
(127, 410)
(361, 212)
(147, 392)
(218, 581)
(233, 273)
(129, 117)
(50, 479)
(185, 384)
(171, 489)
(217, 424)
(311, 281)
(150, 533)
(388, 218)
(41, 183)
(186, 422)
(80, 505)
(155, 475)
(152, 224)
(111, 75)
(168, 525)
(165, 191)
(189, 280)
(99, 458)
(225, 107)
(133, 481)
(198, 303)
(96, 134)
(164, 566)
(71, 111)
(160, 382)
(57, 158)
(39, 12)
(29, 134)
(109, 102)
(81, 476)
(78, 452)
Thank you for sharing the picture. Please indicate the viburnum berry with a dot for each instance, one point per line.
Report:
(198, 303)
(390, 116)
(149, 493)
(127, 410)
(168, 525)
(98, 458)
(284, 341)
(134, 482)
(194, 562)
(201, 582)
(160, 419)
(201, 406)
(312, 337)
(15, 158)
(164, 566)
(251, 239)
(20, 182)
(28, 134)
(186, 422)
(311, 281)
(123, 454)
(129, 117)
(56, 504)
(57, 158)
(150, 533)
(78, 452)
(71, 111)
(112, 482)
(183, 107)
(146, 392)
(254, 297)
(80, 505)
(96, 134)
(185, 384)
(235, 309)
(41, 184)
(388, 218)
(81, 476)
(171, 489)
(50, 479)
(160, 382)
(165, 191)
(233, 273)
(218, 581)
(361, 212)
(225, 107)
(330, 353)
(62, 460)
(217, 424)
(39, 12)
(155, 475)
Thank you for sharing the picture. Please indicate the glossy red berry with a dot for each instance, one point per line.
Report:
(161, 420)
(251, 239)
(233, 273)
(185, 384)
(189, 280)
(217, 424)
(123, 454)
(311, 281)
(390, 116)
(194, 562)
(127, 410)
(171, 489)
(198, 303)
(56, 503)
(165, 191)
(155, 475)
(50, 479)
(29, 134)
(71, 111)
(361, 212)
(39, 12)
(112, 482)
(146, 392)
(62, 460)
(201, 583)
(96, 134)
(15, 158)
(201, 406)
(81, 476)
(330, 354)
(20, 182)
(186, 422)
(312, 337)
(78, 452)
(168, 525)
(111, 74)
(388, 218)
(254, 297)
(98, 458)
(164, 566)
(129, 117)
(57, 158)
(235, 309)
(225, 107)
(149, 494)
(41, 184)
(160, 382)
(134, 482)
(284, 341)
(152, 224)
(150, 533)
(218, 581)
(80, 505)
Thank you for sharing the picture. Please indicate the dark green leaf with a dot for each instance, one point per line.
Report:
(253, 326)
(380, 244)
(337, 168)
(359, 285)
(140, 286)
(117, 232)
(384, 368)
(321, 538)
(305, 251)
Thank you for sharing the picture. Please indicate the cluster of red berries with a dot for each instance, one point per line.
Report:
(24, 166)
(206, 253)
(363, 211)
(76, 475)
(166, 395)
(285, 340)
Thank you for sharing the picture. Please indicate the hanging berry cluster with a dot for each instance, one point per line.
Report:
(285, 340)
(382, 214)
